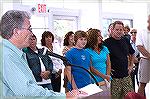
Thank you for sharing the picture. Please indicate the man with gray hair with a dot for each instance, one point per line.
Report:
(17, 78)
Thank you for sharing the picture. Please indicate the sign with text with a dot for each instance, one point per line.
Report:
(42, 8)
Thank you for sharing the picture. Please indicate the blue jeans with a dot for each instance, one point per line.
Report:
(49, 86)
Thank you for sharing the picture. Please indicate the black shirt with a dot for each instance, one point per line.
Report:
(119, 50)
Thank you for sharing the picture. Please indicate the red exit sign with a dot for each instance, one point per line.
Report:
(42, 8)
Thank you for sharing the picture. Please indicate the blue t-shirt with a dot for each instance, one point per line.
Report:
(99, 61)
(81, 58)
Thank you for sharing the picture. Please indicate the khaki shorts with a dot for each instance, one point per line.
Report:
(144, 70)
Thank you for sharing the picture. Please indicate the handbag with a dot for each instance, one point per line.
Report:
(134, 95)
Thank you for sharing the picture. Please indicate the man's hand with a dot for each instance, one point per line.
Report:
(130, 68)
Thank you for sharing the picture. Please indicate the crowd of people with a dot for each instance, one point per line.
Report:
(28, 70)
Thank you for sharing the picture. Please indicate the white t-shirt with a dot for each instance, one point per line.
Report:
(57, 63)
(43, 69)
(143, 38)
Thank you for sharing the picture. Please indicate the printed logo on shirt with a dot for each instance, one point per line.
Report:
(83, 57)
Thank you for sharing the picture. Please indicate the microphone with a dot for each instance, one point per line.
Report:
(66, 63)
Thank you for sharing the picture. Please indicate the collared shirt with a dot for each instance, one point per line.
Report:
(18, 79)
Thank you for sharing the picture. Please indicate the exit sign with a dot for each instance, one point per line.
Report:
(42, 8)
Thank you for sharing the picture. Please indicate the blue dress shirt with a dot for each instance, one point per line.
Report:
(17, 78)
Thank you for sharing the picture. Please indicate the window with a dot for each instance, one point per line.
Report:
(105, 24)
(62, 25)
(108, 18)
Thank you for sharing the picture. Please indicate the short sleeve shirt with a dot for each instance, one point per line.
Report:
(119, 50)
(79, 57)
(143, 39)
(99, 60)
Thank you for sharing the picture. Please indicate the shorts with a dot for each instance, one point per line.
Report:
(144, 71)
(120, 87)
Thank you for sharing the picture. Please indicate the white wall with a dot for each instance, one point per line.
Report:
(148, 8)
(5, 6)
(137, 10)
(1, 8)
(90, 15)
(90, 11)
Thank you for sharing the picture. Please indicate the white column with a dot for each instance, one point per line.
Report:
(148, 8)
(1, 8)
(91, 14)
(100, 14)
(6, 5)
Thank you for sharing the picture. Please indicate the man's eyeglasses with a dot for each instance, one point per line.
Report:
(30, 29)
